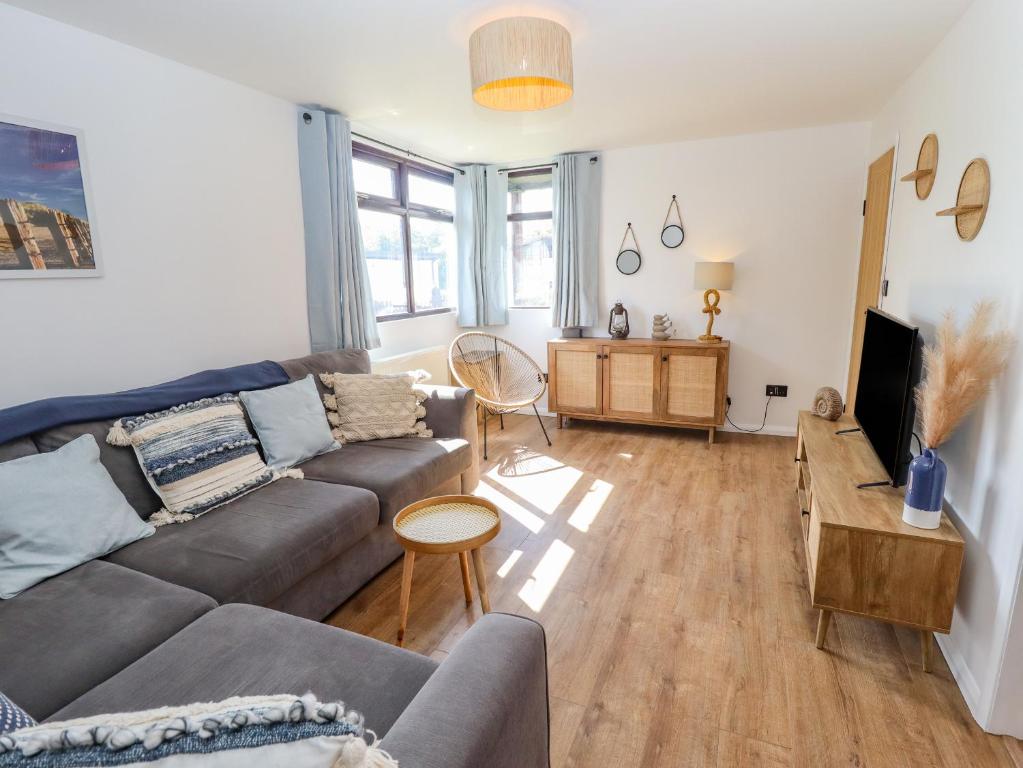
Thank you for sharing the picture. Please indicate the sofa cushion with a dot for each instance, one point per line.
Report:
(256, 547)
(334, 361)
(59, 510)
(290, 422)
(18, 448)
(197, 456)
(120, 462)
(13, 717)
(240, 650)
(399, 470)
(68, 634)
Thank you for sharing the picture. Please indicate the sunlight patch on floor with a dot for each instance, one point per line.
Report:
(546, 575)
(542, 481)
(586, 512)
(508, 564)
(510, 508)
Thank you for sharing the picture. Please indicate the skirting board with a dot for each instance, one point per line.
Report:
(768, 430)
(963, 677)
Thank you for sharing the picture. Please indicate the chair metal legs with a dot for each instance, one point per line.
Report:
(542, 426)
(501, 417)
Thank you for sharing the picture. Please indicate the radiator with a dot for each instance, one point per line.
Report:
(433, 360)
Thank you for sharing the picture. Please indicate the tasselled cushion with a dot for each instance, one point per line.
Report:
(196, 456)
(300, 732)
(373, 406)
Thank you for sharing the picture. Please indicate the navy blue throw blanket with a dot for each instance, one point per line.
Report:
(25, 419)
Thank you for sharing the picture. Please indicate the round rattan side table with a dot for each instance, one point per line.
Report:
(444, 525)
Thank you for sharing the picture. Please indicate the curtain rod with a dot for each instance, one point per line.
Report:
(537, 167)
(408, 152)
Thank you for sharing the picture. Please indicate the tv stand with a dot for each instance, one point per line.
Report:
(861, 559)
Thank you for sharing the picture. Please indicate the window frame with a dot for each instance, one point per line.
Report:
(533, 216)
(402, 207)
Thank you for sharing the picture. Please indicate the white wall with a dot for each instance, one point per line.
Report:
(969, 93)
(196, 204)
(786, 208)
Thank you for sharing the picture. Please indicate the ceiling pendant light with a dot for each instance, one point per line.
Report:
(521, 64)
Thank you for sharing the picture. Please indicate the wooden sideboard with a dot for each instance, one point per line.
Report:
(678, 382)
(861, 558)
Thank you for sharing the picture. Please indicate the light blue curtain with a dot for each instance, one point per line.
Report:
(481, 224)
(576, 240)
(341, 313)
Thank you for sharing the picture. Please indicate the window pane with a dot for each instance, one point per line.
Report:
(433, 260)
(373, 178)
(530, 194)
(431, 191)
(385, 254)
(532, 262)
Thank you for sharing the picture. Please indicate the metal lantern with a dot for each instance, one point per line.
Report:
(618, 322)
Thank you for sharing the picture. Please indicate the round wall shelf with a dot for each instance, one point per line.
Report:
(926, 167)
(972, 201)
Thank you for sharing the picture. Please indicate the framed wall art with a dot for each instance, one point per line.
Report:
(46, 214)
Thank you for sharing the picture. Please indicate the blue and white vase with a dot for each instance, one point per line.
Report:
(925, 490)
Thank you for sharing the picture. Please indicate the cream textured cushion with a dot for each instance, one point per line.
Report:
(372, 406)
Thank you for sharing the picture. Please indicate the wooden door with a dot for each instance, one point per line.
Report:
(575, 371)
(632, 381)
(693, 382)
(868, 285)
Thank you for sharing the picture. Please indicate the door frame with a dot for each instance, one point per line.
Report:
(858, 311)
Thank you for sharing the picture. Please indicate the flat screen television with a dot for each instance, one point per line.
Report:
(885, 404)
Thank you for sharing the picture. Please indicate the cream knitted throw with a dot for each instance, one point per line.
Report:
(372, 406)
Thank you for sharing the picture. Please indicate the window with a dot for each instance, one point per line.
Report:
(530, 238)
(406, 212)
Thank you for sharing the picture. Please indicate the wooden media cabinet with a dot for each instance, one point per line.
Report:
(861, 558)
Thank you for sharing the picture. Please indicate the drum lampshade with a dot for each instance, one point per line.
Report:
(521, 64)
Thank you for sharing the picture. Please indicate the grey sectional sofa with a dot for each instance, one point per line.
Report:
(228, 604)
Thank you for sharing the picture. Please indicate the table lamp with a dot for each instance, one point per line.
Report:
(711, 277)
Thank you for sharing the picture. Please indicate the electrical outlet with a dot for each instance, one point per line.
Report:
(777, 390)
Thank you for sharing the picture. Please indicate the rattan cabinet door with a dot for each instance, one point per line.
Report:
(632, 382)
(691, 385)
(574, 372)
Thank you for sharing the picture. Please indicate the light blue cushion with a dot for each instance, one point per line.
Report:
(59, 510)
(290, 422)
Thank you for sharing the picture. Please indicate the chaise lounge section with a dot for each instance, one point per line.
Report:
(184, 615)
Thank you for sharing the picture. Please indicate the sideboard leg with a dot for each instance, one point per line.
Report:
(926, 649)
(561, 421)
(822, 627)
(710, 435)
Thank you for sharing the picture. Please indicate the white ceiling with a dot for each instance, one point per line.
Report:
(646, 71)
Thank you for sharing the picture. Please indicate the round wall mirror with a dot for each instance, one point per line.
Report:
(628, 262)
(672, 235)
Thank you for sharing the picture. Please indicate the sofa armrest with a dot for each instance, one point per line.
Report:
(486, 705)
(451, 412)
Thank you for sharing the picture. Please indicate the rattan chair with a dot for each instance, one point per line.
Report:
(505, 378)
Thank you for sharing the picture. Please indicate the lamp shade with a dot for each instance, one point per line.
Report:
(713, 274)
(521, 64)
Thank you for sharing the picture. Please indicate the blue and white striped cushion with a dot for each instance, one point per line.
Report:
(299, 732)
(197, 456)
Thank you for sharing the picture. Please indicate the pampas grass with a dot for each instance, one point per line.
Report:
(960, 369)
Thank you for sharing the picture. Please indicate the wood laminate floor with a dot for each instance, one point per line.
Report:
(669, 575)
